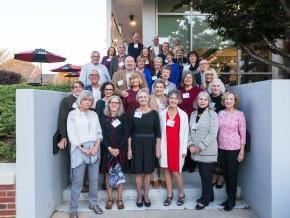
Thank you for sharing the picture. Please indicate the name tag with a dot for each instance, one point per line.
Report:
(212, 104)
(154, 77)
(165, 91)
(146, 62)
(75, 105)
(135, 45)
(109, 59)
(116, 123)
(138, 114)
(120, 82)
(185, 95)
(170, 123)
(166, 61)
(194, 125)
(161, 107)
(121, 64)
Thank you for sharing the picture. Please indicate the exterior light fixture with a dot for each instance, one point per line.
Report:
(132, 21)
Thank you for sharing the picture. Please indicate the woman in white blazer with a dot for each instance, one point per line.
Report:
(173, 148)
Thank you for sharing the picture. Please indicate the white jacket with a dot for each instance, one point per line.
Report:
(183, 138)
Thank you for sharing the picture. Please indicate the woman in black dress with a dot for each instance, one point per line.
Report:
(216, 89)
(143, 145)
(115, 136)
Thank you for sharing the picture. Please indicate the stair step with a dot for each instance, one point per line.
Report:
(157, 204)
(192, 189)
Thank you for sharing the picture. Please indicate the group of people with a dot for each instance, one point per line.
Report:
(151, 113)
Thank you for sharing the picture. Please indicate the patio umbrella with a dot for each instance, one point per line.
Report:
(68, 68)
(70, 75)
(40, 56)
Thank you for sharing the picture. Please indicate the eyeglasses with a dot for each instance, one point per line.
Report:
(77, 87)
(113, 102)
(94, 75)
(109, 89)
(95, 56)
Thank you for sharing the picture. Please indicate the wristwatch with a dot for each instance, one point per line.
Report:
(109, 148)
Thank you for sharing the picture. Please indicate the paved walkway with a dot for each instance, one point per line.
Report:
(207, 213)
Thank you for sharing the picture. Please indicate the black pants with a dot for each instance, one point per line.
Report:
(230, 167)
(205, 172)
(189, 164)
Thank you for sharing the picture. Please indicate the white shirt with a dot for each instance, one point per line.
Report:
(102, 69)
(96, 93)
(156, 50)
(82, 127)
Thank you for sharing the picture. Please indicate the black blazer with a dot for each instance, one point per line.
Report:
(134, 52)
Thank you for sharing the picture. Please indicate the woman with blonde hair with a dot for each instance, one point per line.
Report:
(143, 145)
(158, 102)
(115, 136)
(231, 142)
(209, 76)
(130, 102)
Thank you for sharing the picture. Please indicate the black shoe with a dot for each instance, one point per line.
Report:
(168, 200)
(228, 208)
(224, 203)
(180, 200)
(139, 204)
(147, 204)
(190, 170)
(200, 200)
(219, 186)
(200, 206)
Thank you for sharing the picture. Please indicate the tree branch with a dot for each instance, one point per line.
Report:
(265, 61)
(276, 49)
(285, 7)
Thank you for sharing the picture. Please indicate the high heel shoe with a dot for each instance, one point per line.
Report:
(168, 200)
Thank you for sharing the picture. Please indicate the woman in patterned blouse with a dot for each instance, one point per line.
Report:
(231, 142)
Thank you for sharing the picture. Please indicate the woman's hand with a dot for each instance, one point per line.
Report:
(94, 150)
(86, 151)
(158, 152)
(241, 156)
(129, 154)
(192, 149)
(63, 143)
(197, 149)
(114, 152)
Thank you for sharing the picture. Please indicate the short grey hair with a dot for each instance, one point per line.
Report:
(144, 90)
(107, 110)
(158, 59)
(205, 94)
(85, 94)
(174, 92)
(222, 85)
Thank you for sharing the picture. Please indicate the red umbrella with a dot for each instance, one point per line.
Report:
(67, 68)
(39, 55)
(69, 75)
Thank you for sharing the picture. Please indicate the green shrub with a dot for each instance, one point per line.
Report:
(7, 115)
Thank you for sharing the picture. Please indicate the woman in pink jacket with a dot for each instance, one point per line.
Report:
(231, 142)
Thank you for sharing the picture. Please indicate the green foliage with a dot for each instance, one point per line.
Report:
(7, 115)
(7, 152)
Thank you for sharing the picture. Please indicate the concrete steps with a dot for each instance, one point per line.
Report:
(192, 188)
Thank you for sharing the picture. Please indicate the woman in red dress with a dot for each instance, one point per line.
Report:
(173, 148)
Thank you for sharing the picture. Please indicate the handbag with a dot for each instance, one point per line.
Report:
(116, 175)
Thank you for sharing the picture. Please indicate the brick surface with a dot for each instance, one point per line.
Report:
(7, 187)
(7, 200)
(3, 206)
(7, 212)
(10, 193)
(3, 193)
(11, 206)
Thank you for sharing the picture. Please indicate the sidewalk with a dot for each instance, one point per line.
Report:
(206, 213)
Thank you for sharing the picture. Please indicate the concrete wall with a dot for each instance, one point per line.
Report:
(40, 174)
(264, 182)
(149, 21)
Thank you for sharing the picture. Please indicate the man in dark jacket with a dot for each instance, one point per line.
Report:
(118, 61)
(67, 105)
(135, 47)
